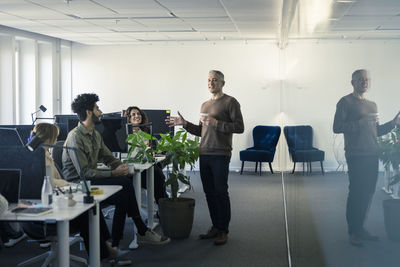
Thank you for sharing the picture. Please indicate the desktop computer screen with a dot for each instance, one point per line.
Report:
(157, 118)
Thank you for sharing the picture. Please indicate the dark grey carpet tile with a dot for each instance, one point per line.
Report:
(318, 229)
(256, 237)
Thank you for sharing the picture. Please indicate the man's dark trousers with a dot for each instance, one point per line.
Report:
(214, 170)
(363, 175)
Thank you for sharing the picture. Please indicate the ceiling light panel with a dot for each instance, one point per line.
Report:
(218, 36)
(349, 23)
(28, 10)
(375, 7)
(212, 24)
(147, 36)
(185, 36)
(112, 36)
(75, 25)
(118, 25)
(136, 8)
(254, 9)
(168, 24)
(194, 8)
(391, 24)
(81, 8)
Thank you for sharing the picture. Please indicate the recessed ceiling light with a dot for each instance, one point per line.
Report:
(345, 1)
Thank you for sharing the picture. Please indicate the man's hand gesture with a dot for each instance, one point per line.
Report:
(172, 121)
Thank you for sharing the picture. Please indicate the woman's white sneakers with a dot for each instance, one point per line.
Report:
(152, 238)
(12, 241)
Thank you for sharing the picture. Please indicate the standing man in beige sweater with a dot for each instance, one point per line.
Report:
(357, 118)
(220, 118)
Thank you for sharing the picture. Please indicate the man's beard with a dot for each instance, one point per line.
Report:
(96, 120)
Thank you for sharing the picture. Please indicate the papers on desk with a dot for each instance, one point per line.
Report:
(32, 211)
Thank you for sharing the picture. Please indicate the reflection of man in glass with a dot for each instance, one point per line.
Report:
(357, 118)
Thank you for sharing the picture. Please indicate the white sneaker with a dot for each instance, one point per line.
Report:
(45, 244)
(133, 244)
(152, 238)
(11, 242)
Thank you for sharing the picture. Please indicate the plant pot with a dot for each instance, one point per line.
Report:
(176, 217)
(391, 214)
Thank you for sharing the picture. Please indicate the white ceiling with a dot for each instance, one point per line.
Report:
(103, 22)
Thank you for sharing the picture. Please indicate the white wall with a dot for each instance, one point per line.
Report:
(175, 77)
(299, 85)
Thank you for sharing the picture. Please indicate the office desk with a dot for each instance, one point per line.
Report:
(62, 218)
(137, 183)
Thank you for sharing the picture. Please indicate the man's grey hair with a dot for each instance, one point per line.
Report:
(218, 73)
(357, 72)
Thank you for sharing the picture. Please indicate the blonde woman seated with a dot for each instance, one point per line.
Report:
(136, 116)
(48, 133)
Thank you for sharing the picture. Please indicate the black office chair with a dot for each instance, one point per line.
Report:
(56, 154)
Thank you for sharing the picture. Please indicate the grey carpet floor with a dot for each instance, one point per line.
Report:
(317, 228)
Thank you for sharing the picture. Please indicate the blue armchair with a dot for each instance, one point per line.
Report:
(299, 140)
(265, 139)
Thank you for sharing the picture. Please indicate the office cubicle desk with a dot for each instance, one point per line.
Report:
(62, 217)
(137, 184)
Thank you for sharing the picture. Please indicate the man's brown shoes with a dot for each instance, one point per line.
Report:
(221, 239)
(220, 236)
(213, 232)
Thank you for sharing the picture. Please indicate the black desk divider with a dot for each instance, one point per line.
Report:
(157, 118)
(63, 118)
(10, 138)
(32, 166)
(10, 184)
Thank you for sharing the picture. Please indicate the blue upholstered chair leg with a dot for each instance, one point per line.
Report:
(310, 167)
(270, 167)
(322, 168)
(241, 170)
(294, 167)
(255, 170)
(260, 168)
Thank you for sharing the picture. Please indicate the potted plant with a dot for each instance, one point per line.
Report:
(390, 155)
(139, 150)
(176, 214)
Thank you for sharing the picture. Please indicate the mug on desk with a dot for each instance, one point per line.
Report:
(81, 186)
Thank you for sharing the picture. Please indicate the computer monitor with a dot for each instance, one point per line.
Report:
(112, 129)
(10, 184)
(157, 118)
(32, 166)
